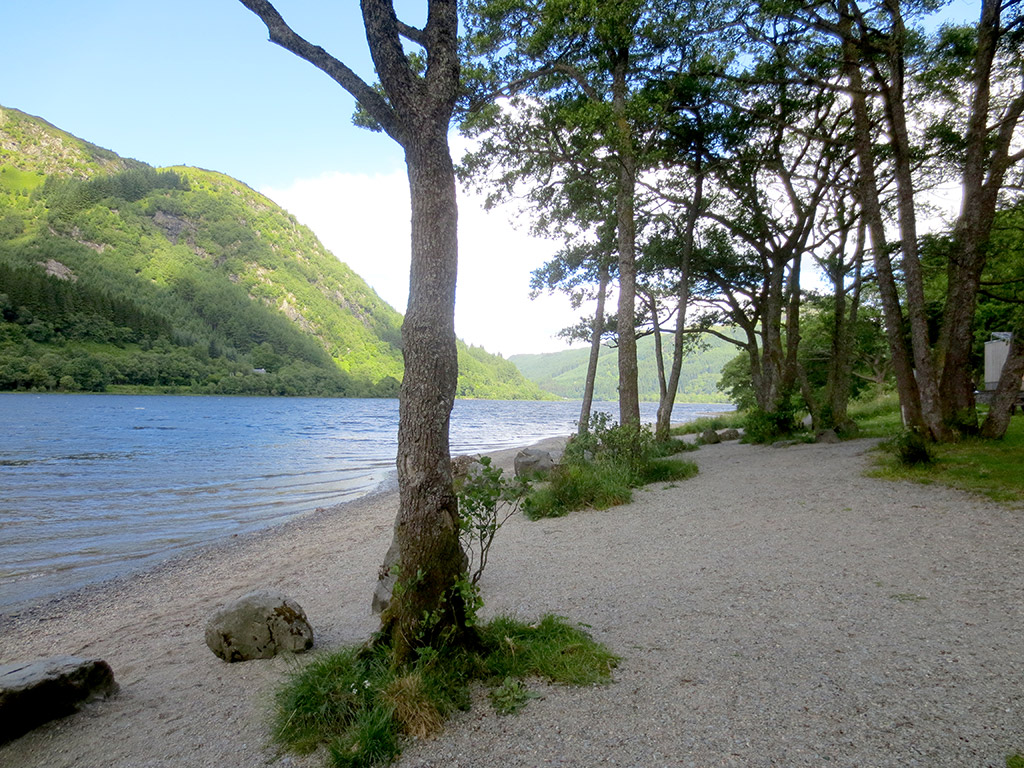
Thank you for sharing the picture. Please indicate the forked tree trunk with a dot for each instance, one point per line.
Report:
(425, 608)
(906, 385)
(597, 331)
(663, 425)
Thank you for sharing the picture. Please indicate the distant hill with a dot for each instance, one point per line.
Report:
(564, 373)
(115, 275)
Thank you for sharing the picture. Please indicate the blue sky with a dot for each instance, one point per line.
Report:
(193, 82)
(196, 82)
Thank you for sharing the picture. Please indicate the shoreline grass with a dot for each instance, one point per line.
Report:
(357, 708)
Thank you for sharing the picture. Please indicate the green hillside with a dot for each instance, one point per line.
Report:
(116, 275)
(564, 373)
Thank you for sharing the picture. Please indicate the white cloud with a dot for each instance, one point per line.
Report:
(364, 221)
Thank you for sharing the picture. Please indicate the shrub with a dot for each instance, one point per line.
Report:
(767, 426)
(600, 468)
(486, 502)
(911, 448)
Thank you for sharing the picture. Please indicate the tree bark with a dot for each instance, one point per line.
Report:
(427, 531)
(1007, 392)
(595, 349)
(867, 186)
(425, 608)
(844, 322)
(629, 395)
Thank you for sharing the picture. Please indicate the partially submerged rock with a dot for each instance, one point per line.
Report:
(35, 692)
(259, 625)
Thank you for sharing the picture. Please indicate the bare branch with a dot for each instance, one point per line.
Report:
(284, 36)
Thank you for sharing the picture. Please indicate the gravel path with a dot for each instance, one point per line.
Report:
(779, 609)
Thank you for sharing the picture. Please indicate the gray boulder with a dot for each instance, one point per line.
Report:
(532, 461)
(710, 437)
(827, 436)
(35, 692)
(729, 434)
(463, 466)
(259, 625)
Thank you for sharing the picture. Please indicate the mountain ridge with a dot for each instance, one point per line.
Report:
(120, 275)
(564, 373)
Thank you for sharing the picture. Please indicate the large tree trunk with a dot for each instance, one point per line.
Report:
(425, 608)
(1006, 394)
(985, 166)
(426, 532)
(595, 350)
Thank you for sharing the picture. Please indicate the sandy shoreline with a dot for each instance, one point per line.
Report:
(778, 609)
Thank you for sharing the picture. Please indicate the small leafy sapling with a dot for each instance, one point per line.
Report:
(486, 502)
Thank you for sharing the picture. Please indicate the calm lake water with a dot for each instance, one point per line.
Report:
(92, 486)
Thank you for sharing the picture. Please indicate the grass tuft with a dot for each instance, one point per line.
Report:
(416, 713)
(551, 649)
(358, 706)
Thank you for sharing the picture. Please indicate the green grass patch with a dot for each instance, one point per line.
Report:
(1015, 761)
(990, 468)
(728, 420)
(357, 707)
(579, 486)
(551, 649)
(877, 418)
(987, 467)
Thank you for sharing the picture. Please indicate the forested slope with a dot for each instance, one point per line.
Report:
(114, 274)
(564, 373)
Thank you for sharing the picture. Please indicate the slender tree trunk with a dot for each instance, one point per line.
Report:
(913, 280)
(841, 366)
(629, 395)
(659, 348)
(1006, 394)
(595, 349)
(663, 425)
(790, 372)
(871, 207)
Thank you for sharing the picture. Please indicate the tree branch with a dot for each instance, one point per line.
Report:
(284, 36)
